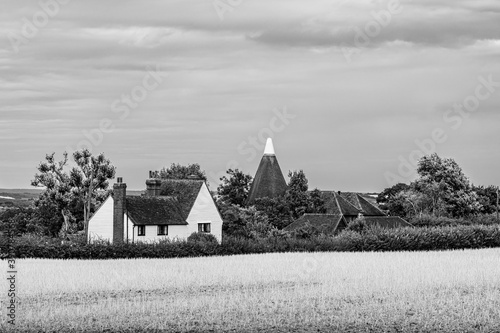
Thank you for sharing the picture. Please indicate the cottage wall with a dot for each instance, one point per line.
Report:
(205, 211)
(101, 223)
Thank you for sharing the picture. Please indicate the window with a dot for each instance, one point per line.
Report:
(162, 230)
(141, 230)
(204, 227)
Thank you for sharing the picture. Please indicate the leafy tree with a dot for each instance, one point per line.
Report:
(316, 203)
(233, 224)
(20, 220)
(246, 222)
(57, 196)
(412, 203)
(277, 210)
(234, 190)
(89, 177)
(487, 198)
(444, 182)
(81, 187)
(297, 196)
(390, 192)
(177, 171)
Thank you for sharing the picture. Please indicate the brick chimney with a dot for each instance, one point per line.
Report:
(119, 194)
(153, 186)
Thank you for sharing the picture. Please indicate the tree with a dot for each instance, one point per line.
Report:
(277, 210)
(444, 182)
(82, 187)
(296, 195)
(487, 198)
(246, 222)
(413, 203)
(89, 177)
(234, 190)
(390, 192)
(392, 200)
(177, 171)
(57, 194)
(316, 203)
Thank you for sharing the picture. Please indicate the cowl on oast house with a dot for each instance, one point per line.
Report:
(170, 208)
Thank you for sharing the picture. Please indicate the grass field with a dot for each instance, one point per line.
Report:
(300, 292)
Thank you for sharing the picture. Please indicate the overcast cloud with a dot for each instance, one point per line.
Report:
(357, 107)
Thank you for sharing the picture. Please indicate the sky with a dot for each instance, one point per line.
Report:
(352, 92)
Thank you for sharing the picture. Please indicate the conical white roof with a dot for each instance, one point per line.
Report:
(269, 150)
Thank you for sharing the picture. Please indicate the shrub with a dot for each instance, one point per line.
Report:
(201, 237)
(358, 225)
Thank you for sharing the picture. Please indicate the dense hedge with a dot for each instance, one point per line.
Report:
(433, 221)
(405, 239)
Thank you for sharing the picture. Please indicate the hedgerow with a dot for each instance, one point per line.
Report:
(375, 239)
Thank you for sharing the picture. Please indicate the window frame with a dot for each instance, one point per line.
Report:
(202, 228)
(162, 227)
(141, 230)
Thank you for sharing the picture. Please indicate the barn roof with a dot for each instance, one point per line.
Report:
(336, 204)
(269, 180)
(366, 208)
(324, 223)
(387, 221)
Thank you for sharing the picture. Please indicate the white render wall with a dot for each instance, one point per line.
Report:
(204, 211)
(101, 223)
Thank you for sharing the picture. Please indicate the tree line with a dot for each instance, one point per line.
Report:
(72, 193)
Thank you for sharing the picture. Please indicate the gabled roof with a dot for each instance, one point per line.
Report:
(144, 210)
(336, 204)
(387, 221)
(324, 223)
(172, 207)
(366, 208)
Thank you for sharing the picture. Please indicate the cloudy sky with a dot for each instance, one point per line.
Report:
(351, 91)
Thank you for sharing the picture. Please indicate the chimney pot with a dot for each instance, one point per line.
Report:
(119, 180)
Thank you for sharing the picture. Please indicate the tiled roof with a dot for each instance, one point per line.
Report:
(336, 204)
(387, 221)
(324, 223)
(366, 208)
(144, 210)
(177, 198)
(183, 191)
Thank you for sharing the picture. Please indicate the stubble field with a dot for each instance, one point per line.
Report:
(300, 292)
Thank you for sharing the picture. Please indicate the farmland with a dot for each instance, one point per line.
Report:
(300, 292)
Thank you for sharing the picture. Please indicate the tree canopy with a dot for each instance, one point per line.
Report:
(234, 189)
(178, 171)
(80, 188)
(441, 189)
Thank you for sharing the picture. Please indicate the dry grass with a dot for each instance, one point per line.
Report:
(393, 292)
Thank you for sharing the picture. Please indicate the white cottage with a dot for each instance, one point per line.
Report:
(171, 209)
